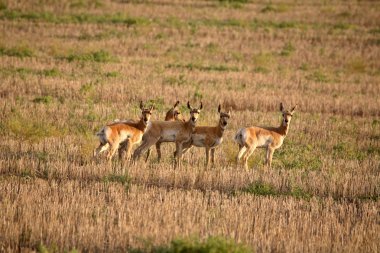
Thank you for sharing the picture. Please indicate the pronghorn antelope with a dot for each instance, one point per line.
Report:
(172, 115)
(170, 131)
(270, 138)
(125, 133)
(209, 137)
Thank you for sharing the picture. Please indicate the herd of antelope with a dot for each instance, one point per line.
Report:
(121, 136)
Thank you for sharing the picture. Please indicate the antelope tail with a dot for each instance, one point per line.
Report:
(241, 136)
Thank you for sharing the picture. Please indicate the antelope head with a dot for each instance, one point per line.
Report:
(194, 112)
(224, 117)
(146, 113)
(176, 113)
(286, 115)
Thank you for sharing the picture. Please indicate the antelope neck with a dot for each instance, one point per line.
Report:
(141, 125)
(220, 130)
(283, 130)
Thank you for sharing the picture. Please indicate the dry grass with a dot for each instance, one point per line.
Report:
(68, 68)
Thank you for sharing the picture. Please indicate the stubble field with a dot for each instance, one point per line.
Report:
(67, 68)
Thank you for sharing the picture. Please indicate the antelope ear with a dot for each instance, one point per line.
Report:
(141, 105)
(229, 112)
(176, 104)
(294, 108)
(200, 108)
(151, 108)
(188, 105)
(219, 108)
(281, 107)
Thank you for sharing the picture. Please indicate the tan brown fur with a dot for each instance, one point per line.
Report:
(122, 134)
(169, 131)
(172, 115)
(270, 138)
(209, 137)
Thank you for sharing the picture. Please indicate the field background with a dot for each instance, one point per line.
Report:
(69, 67)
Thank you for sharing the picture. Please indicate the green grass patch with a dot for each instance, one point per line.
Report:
(28, 128)
(117, 18)
(43, 100)
(264, 189)
(192, 66)
(112, 74)
(86, 4)
(222, 23)
(255, 24)
(297, 156)
(197, 95)
(121, 18)
(87, 88)
(94, 56)
(274, 8)
(23, 72)
(304, 67)
(356, 66)
(299, 193)
(236, 4)
(53, 72)
(252, 24)
(260, 188)
(350, 152)
(157, 103)
(318, 76)
(117, 178)
(212, 47)
(42, 248)
(287, 49)
(261, 69)
(107, 34)
(3, 5)
(176, 80)
(375, 30)
(263, 62)
(209, 245)
(234, 1)
(342, 26)
(18, 51)
(124, 179)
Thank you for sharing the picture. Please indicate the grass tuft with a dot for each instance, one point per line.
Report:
(298, 193)
(19, 51)
(43, 100)
(117, 18)
(157, 103)
(260, 188)
(112, 74)
(318, 76)
(95, 56)
(31, 129)
(263, 62)
(3, 5)
(117, 178)
(210, 245)
(192, 66)
(356, 65)
(51, 72)
(287, 49)
(274, 8)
